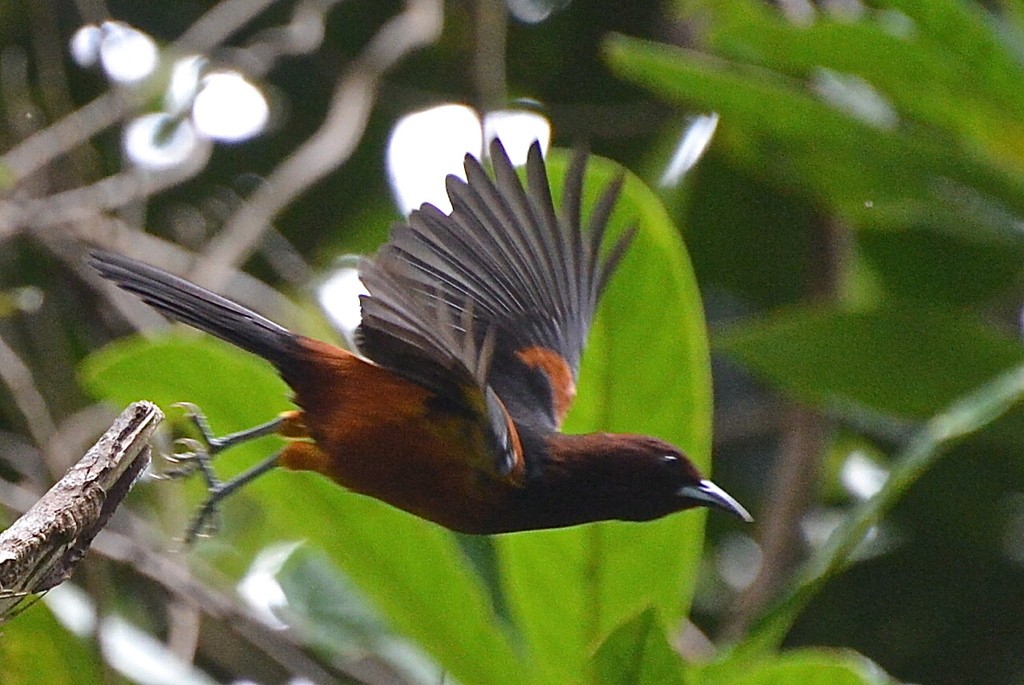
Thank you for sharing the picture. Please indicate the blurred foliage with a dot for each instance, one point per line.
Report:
(905, 361)
(870, 157)
(40, 650)
(856, 231)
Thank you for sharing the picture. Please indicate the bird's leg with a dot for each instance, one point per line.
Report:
(204, 522)
(199, 454)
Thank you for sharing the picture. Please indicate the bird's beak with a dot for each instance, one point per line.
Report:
(708, 494)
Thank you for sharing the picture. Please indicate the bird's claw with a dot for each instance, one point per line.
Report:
(192, 455)
(189, 448)
(189, 407)
(195, 416)
(189, 456)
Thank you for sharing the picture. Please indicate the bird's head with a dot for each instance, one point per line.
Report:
(686, 488)
(630, 477)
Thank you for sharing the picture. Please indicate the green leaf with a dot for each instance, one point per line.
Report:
(414, 572)
(805, 138)
(909, 362)
(976, 41)
(189, 366)
(646, 370)
(335, 619)
(638, 653)
(859, 168)
(35, 648)
(798, 667)
(929, 266)
(943, 65)
(235, 390)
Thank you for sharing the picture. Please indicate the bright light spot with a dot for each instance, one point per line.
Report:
(535, 11)
(517, 130)
(896, 23)
(127, 54)
(738, 560)
(862, 477)
(856, 97)
(184, 82)
(28, 298)
(85, 45)
(73, 608)
(819, 524)
(260, 588)
(159, 141)
(339, 298)
(800, 12)
(229, 108)
(692, 145)
(424, 148)
(141, 657)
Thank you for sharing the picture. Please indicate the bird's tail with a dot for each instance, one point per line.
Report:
(199, 308)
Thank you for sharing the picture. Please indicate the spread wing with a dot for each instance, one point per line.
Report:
(504, 274)
(418, 339)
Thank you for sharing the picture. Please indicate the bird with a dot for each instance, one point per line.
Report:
(467, 354)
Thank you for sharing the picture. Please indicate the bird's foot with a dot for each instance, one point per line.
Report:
(196, 456)
(206, 521)
(191, 455)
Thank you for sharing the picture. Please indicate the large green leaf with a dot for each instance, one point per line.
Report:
(334, 618)
(799, 667)
(903, 361)
(774, 124)
(35, 648)
(414, 572)
(646, 370)
(897, 130)
(943, 66)
(638, 653)
(934, 267)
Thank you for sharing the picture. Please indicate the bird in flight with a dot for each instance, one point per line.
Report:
(469, 348)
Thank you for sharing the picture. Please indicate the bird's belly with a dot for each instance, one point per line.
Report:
(434, 468)
(378, 434)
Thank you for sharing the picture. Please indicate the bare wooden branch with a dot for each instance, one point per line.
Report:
(42, 548)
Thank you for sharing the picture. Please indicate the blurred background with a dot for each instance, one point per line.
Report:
(845, 177)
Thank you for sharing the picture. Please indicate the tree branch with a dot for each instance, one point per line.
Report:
(41, 549)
